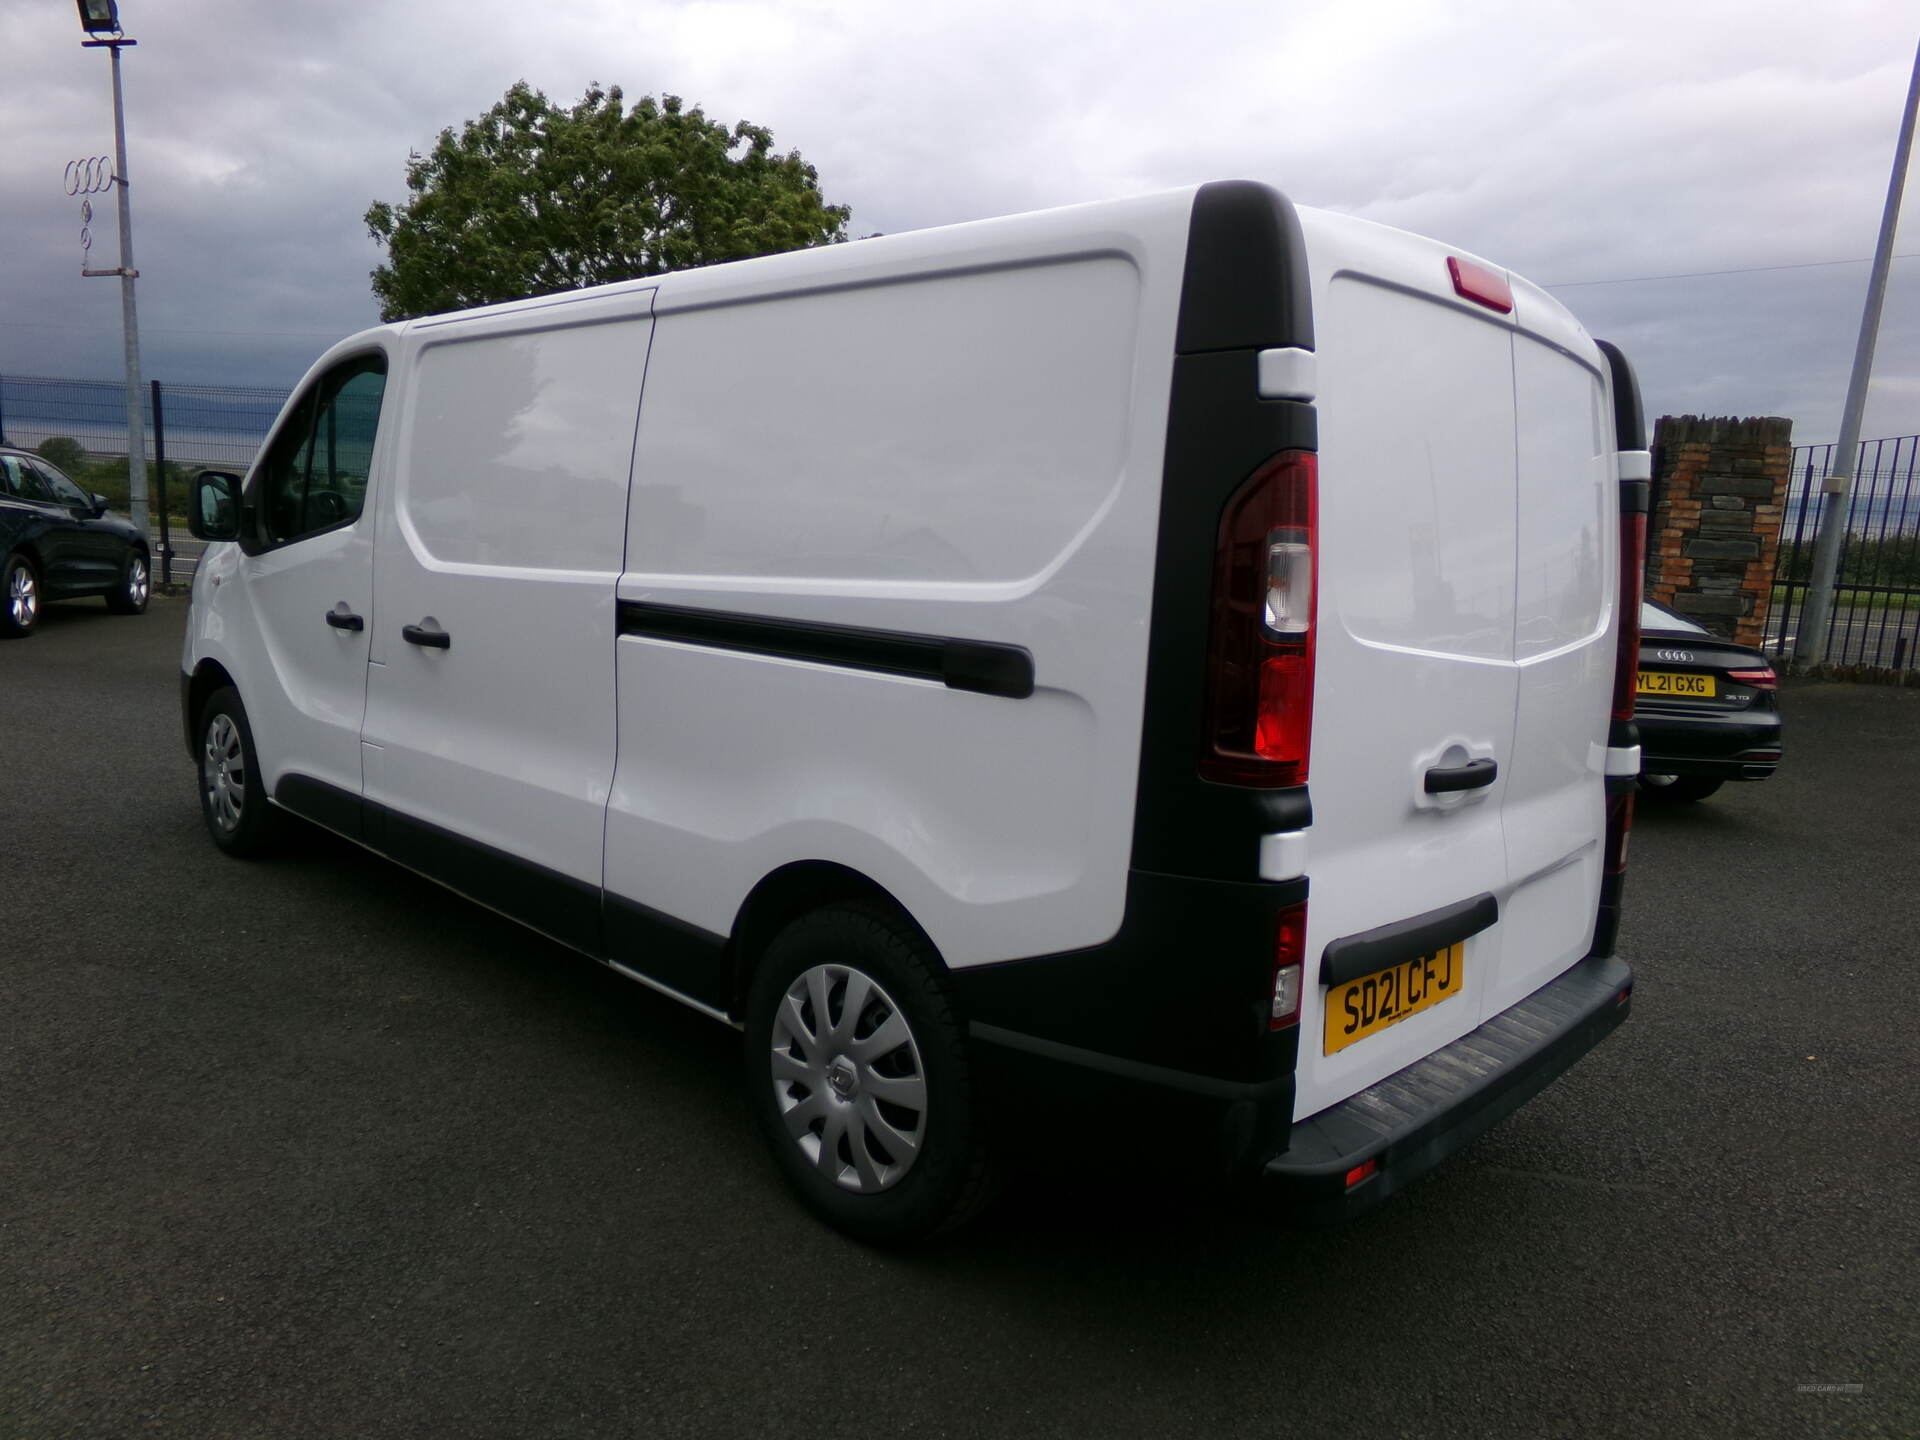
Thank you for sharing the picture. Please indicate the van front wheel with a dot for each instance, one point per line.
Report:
(858, 1076)
(233, 797)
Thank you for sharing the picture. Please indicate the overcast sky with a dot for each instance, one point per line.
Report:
(1575, 143)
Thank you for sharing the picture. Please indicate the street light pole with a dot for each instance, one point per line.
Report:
(95, 18)
(1811, 647)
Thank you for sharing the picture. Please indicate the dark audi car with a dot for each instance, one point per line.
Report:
(1707, 709)
(57, 542)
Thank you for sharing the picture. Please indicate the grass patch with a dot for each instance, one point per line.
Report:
(1852, 599)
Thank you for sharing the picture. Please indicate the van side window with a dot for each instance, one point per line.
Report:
(315, 477)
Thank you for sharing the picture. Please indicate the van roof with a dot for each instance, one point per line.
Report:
(1336, 243)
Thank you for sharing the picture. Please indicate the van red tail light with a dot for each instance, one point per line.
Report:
(1761, 679)
(1633, 579)
(1619, 827)
(1260, 650)
(1289, 965)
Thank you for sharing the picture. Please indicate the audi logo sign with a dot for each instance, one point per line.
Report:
(1682, 657)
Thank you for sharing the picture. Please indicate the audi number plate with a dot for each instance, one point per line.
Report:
(1669, 682)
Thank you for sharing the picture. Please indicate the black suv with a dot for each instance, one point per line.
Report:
(57, 542)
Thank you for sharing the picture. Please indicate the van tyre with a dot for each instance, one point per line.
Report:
(858, 1075)
(233, 797)
(19, 598)
(129, 597)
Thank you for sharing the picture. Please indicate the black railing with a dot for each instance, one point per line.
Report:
(1876, 604)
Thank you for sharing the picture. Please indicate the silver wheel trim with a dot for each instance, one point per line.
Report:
(847, 1079)
(23, 596)
(138, 581)
(223, 773)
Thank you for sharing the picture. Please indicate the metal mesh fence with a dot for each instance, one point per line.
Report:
(81, 427)
(217, 426)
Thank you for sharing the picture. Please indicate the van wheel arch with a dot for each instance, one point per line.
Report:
(783, 897)
(208, 676)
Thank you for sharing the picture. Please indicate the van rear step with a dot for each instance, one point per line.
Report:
(1351, 1156)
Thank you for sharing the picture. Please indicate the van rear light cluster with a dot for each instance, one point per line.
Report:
(1633, 578)
(1760, 679)
(1619, 827)
(1260, 649)
(1289, 965)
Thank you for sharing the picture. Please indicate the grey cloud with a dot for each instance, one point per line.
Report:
(1569, 144)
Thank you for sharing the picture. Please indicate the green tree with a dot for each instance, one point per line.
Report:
(63, 452)
(531, 198)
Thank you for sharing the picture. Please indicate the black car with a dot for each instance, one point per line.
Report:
(57, 542)
(1707, 709)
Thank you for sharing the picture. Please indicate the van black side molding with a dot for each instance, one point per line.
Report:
(981, 666)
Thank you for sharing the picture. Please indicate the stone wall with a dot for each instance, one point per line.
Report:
(1719, 489)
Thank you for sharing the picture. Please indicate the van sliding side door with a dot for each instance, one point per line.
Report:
(489, 740)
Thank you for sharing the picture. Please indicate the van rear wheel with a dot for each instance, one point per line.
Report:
(858, 1076)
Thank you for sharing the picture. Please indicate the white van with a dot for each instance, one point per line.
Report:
(1156, 664)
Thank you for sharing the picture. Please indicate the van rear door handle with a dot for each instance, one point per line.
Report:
(341, 618)
(1474, 775)
(434, 639)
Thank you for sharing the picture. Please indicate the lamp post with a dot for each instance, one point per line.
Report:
(1831, 528)
(101, 20)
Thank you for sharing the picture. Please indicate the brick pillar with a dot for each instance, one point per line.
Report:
(1719, 490)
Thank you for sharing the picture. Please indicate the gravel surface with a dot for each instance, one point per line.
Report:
(313, 1148)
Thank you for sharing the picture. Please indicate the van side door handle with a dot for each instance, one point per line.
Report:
(341, 618)
(434, 639)
(1474, 775)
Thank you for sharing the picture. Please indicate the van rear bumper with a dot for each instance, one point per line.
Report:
(1412, 1120)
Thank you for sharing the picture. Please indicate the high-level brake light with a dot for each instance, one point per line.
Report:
(1480, 285)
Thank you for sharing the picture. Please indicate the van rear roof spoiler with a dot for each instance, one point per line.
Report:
(1245, 286)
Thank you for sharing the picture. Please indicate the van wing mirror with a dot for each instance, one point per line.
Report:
(213, 513)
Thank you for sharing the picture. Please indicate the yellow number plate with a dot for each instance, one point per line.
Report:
(1370, 1004)
(1667, 682)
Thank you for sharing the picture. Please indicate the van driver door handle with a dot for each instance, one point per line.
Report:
(434, 638)
(1474, 775)
(341, 618)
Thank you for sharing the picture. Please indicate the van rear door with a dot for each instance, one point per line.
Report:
(1415, 685)
(1554, 808)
